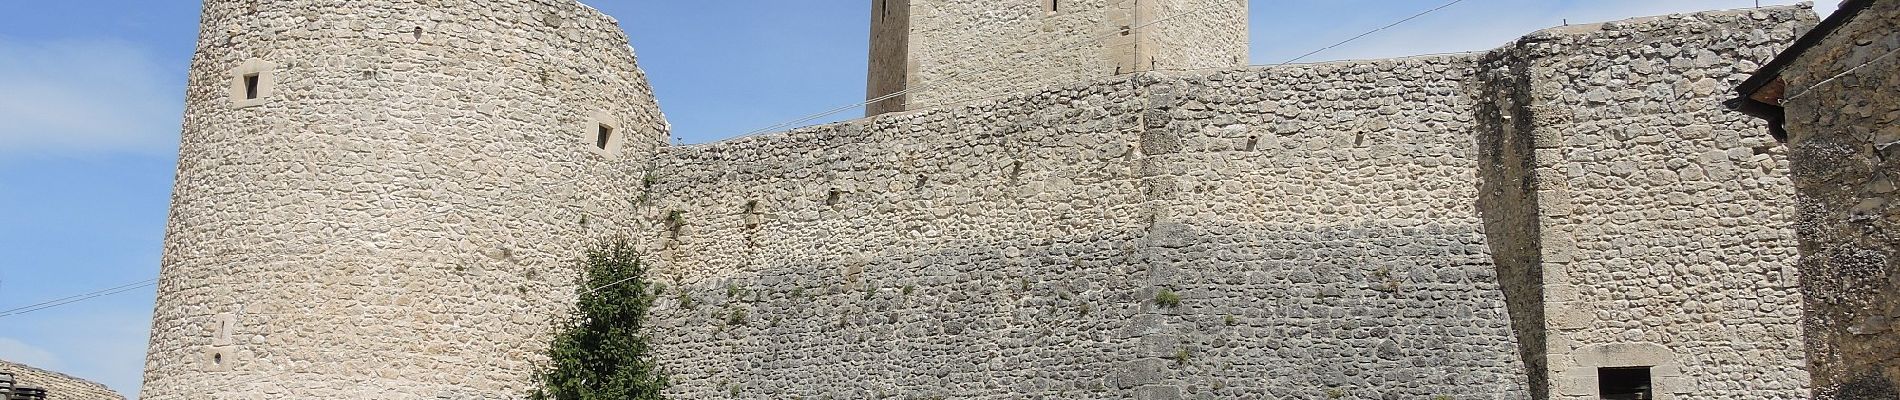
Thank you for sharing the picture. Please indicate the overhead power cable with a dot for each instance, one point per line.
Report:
(1107, 33)
(78, 298)
(1049, 50)
(1090, 39)
(439, 210)
(449, 208)
(1369, 33)
(1798, 93)
(77, 295)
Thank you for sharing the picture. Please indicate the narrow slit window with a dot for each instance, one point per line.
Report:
(603, 137)
(1053, 6)
(250, 86)
(1629, 383)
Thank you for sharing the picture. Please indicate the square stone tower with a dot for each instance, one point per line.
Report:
(950, 51)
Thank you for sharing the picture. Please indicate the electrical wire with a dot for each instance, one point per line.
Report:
(1369, 33)
(78, 298)
(1804, 91)
(441, 210)
(1107, 33)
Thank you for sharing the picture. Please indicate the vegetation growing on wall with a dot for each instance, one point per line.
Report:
(1167, 298)
(599, 351)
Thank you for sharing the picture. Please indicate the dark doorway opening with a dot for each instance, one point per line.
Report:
(1627, 383)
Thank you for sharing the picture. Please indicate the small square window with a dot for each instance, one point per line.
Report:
(250, 86)
(251, 83)
(603, 137)
(1627, 383)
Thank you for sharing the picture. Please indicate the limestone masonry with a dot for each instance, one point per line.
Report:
(381, 199)
(1834, 97)
(378, 199)
(17, 379)
(954, 51)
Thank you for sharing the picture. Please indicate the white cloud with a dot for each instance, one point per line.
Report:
(20, 352)
(112, 345)
(85, 96)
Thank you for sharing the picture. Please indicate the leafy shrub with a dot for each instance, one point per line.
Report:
(598, 352)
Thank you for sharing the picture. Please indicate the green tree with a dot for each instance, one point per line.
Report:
(600, 352)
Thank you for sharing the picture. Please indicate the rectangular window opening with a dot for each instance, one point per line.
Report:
(1626, 383)
(604, 136)
(1054, 6)
(250, 87)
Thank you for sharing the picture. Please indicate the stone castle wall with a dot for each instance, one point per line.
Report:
(1678, 213)
(1507, 201)
(1332, 209)
(1317, 223)
(1842, 128)
(58, 386)
(393, 216)
(1310, 231)
(1663, 231)
(1207, 34)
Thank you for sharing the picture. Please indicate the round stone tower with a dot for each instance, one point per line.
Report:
(380, 198)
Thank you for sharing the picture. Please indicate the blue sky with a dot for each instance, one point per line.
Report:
(91, 91)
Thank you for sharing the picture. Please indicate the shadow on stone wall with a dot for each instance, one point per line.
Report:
(1507, 199)
(1371, 309)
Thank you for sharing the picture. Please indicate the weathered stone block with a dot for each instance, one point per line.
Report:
(1158, 392)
